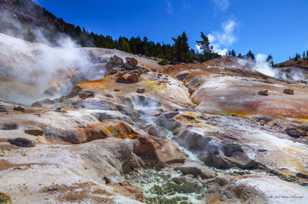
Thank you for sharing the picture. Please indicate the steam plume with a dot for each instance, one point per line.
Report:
(46, 68)
(262, 66)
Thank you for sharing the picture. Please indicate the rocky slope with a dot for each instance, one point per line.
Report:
(190, 133)
(294, 63)
(28, 20)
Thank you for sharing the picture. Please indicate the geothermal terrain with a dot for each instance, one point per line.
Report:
(86, 125)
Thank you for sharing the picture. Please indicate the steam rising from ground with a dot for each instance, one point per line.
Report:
(262, 66)
(33, 71)
(47, 70)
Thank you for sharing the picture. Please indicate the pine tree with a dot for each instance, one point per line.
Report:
(270, 60)
(250, 56)
(231, 53)
(297, 57)
(206, 49)
(123, 44)
(204, 44)
(182, 50)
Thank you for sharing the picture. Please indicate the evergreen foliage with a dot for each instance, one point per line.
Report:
(250, 56)
(207, 52)
(299, 57)
(177, 52)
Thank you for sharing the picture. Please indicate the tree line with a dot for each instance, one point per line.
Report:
(299, 57)
(249, 56)
(177, 52)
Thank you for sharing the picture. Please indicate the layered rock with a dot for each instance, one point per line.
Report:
(202, 130)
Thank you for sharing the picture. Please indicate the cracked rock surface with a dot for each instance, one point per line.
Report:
(144, 133)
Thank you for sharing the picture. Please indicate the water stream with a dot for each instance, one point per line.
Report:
(168, 187)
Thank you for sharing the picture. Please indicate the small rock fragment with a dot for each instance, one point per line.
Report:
(263, 119)
(115, 61)
(293, 132)
(37, 105)
(140, 90)
(107, 180)
(19, 109)
(86, 94)
(182, 76)
(263, 93)
(232, 149)
(288, 91)
(128, 78)
(131, 63)
(154, 131)
(34, 132)
(22, 142)
(170, 115)
(195, 171)
(9, 126)
(109, 95)
(60, 110)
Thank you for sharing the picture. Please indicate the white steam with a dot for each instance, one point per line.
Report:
(262, 66)
(34, 71)
(50, 71)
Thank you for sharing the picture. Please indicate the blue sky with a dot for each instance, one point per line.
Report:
(277, 27)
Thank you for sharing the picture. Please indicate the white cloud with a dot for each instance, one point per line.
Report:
(222, 4)
(222, 40)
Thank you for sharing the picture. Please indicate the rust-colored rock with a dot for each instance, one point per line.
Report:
(34, 131)
(19, 109)
(263, 93)
(86, 94)
(128, 78)
(158, 151)
(5, 199)
(288, 91)
(131, 63)
(126, 189)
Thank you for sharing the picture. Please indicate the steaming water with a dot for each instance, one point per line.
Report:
(166, 187)
(34, 71)
(191, 156)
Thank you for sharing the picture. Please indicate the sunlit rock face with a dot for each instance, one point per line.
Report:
(216, 132)
(240, 95)
(34, 71)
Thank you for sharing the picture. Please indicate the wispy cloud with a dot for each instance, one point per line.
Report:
(221, 41)
(169, 7)
(186, 4)
(222, 4)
